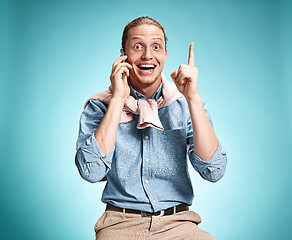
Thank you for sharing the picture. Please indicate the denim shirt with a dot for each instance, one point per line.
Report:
(147, 169)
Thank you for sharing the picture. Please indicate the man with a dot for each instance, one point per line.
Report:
(137, 136)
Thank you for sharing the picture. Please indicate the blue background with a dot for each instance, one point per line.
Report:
(56, 54)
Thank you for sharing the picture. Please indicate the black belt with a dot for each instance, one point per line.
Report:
(168, 211)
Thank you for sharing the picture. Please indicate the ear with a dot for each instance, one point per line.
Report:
(165, 52)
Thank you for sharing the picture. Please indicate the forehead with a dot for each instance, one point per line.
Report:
(145, 31)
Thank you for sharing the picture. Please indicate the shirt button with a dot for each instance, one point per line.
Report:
(147, 159)
(154, 201)
(146, 181)
(146, 137)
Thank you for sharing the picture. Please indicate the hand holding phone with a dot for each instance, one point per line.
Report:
(119, 77)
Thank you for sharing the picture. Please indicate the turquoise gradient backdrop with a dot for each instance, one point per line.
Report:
(55, 54)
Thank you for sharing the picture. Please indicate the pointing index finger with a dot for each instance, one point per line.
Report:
(191, 55)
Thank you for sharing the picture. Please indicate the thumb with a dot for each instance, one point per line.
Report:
(174, 75)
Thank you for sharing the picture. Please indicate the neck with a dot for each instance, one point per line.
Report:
(145, 89)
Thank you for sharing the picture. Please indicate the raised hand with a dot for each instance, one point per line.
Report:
(119, 78)
(186, 77)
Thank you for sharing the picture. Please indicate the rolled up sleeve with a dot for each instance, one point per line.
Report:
(92, 164)
(213, 169)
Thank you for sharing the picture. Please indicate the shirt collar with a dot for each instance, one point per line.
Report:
(137, 95)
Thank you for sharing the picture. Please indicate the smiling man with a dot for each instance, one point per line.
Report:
(137, 136)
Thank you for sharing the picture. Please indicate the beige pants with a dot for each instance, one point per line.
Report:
(127, 226)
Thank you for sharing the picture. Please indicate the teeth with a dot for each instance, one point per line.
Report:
(147, 66)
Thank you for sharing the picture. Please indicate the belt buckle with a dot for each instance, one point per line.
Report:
(143, 214)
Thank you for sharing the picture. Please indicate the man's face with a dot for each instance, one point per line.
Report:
(146, 52)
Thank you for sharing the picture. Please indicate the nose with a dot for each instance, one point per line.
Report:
(147, 54)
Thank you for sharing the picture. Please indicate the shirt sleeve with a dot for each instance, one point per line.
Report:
(91, 163)
(213, 169)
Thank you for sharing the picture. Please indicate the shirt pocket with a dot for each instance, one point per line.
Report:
(169, 152)
(170, 143)
(174, 135)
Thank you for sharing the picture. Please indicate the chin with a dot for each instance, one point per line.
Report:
(146, 80)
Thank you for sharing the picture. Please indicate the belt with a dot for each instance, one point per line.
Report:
(168, 211)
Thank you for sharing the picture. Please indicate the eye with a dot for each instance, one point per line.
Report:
(137, 46)
(156, 47)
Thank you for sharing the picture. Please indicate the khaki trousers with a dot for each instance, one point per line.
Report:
(114, 225)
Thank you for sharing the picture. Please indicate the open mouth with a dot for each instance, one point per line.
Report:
(146, 68)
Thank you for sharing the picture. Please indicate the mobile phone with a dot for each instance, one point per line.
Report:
(122, 52)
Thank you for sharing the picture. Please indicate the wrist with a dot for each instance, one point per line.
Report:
(117, 100)
(194, 99)
(119, 97)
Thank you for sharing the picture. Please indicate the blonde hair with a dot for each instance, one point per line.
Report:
(140, 21)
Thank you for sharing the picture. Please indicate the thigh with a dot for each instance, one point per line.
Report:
(191, 231)
(180, 226)
(119, 226)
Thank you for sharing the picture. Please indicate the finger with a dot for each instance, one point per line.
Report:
(191, 55)
(119, 60)
(126, 74)
(180, 78)
(121, 65)
(122, 71)
(125, 64)
(183, 66)
(125, 77)
(126, 71)
(173, 75)
(176, 84)
(120, 75)
(184, 75)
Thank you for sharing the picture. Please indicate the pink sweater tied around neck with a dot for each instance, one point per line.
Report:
(146, 109)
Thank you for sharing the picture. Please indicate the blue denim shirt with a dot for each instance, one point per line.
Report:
(147, 169)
